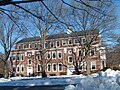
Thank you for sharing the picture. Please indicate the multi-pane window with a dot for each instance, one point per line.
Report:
(57, 43)
(38, 67)
(80, 53)
(48, 56)
(29, 62)
(48, 67)
(22, 68)
(51, 44)
(30, 45)
(92, 52)
(18, 69)
(70, 41)
(59, 67)
(17, 58)
(70, 59)
(64, 42)
(54, 67)
(25, 46)
(93, 65)
(22, 57)
(45, 45)
(83, 40)
(54, 55)
(76, 41)
(59, 55)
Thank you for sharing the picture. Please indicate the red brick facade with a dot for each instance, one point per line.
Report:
(59, 57)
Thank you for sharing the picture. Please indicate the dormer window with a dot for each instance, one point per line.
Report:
(76, 41)
(84, 40)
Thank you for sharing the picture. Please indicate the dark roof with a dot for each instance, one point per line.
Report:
(59, 35)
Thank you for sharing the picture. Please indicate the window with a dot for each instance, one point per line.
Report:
(22, 57)
(76, 41)
(51, 44)
(17, 58)
(22, 68)
(38, 67)
(80, 53)
(93, 65)
(30, 45)
(18, 69)
(92, 53)
(70, 59)
(29, 62)
(83, 40)
(59, 55)
(57, 43)
(64, 42)
(45, 45)
(49, 55)
(48, 67)
(54, 55)
(59, 67)
(70, 41)
(25, 46)
(54, 67)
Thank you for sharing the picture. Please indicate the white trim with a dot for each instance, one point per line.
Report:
(93, 63)
(58, 54)
(64, 41)
(56, 43)
(50, 44)
(37, 67)
(50, 67)
(28, 61)
(72, 59)
(58, 67)
(52, 54)
(71, 41)
(47, 55)
(53, 67)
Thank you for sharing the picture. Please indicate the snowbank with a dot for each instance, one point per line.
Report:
(108, 80)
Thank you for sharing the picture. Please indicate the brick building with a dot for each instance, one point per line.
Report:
(58, 54)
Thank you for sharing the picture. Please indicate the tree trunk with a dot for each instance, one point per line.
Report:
(5, 70)
(88, 65)
(44, 74)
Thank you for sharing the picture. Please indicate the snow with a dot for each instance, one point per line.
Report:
(108, 80)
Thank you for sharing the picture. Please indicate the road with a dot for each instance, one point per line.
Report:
(53, 87)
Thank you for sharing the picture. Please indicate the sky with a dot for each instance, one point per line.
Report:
(117, 3)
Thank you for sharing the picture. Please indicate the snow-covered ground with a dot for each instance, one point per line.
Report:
(108, 80)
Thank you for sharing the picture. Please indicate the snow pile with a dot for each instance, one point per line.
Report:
(108, 80)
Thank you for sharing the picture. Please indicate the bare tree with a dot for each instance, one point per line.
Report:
(90, 21)
(9, 34)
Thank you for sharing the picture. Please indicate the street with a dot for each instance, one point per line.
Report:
(54, 87)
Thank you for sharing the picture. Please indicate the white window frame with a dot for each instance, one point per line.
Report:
(56, 43)
(22, 57)
(64, 41)
(81, 52)
(45, 45)
(59, 67)
(72, 59)
(75, 42)
(47, 68)
(82, 40)
(53, 53)
(93, 63)
(17, 68)
(47, 55)
(53, 67)
(58, 54)
(50, 44)
(71, 41)
(22, 66)
(28, 62)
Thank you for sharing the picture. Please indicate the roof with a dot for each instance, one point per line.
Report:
(59, 35)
